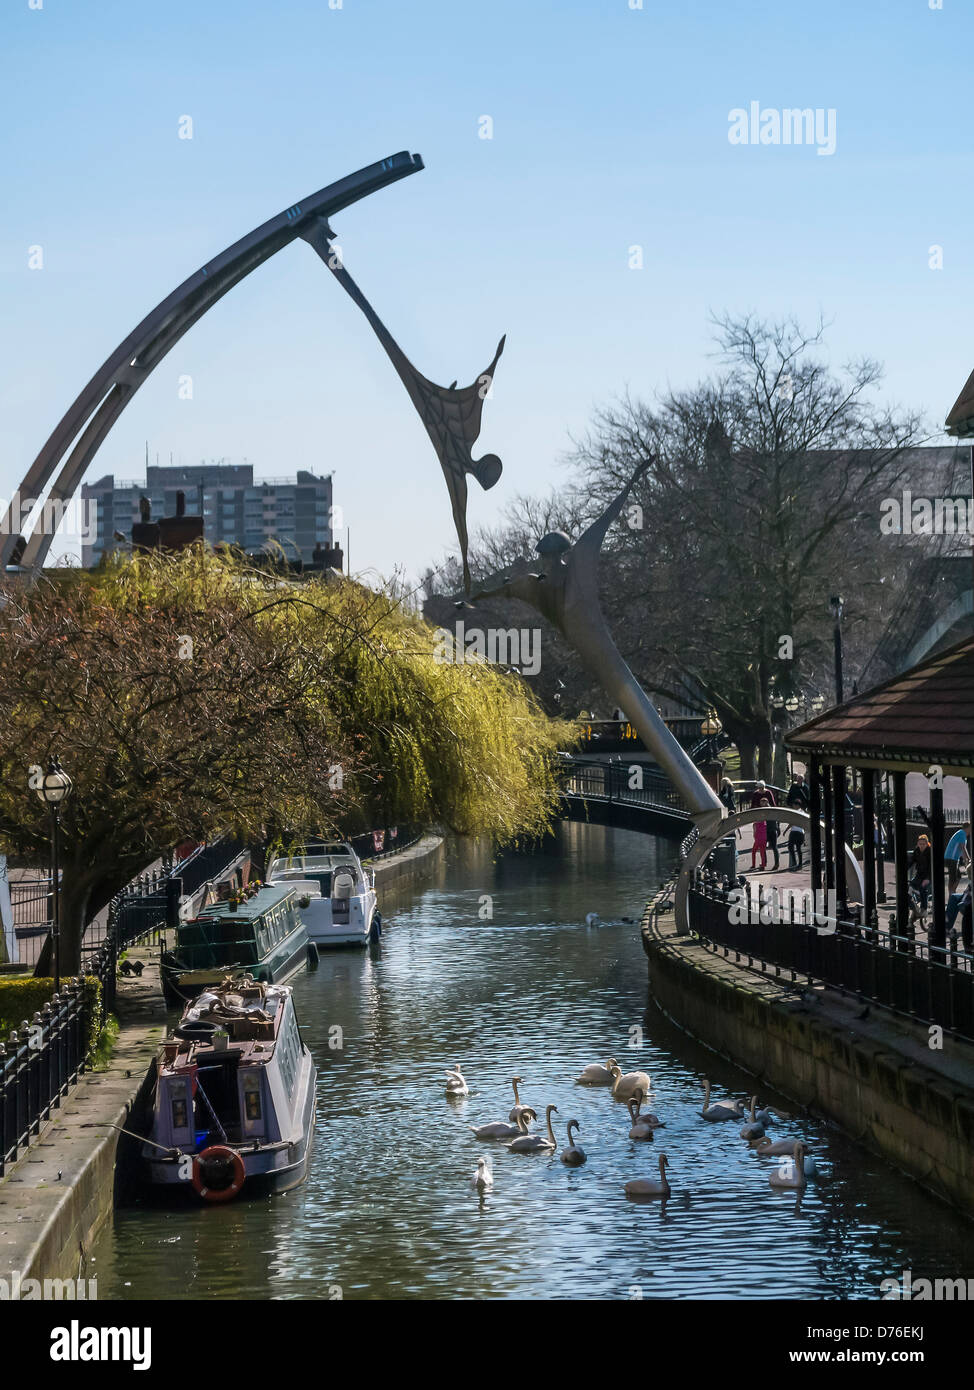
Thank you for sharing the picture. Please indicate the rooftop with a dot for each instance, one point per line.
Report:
(924, 716)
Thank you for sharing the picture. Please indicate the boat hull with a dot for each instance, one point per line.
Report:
(274, 1168)
(276, 969)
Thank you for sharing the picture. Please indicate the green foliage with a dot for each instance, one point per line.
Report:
(191, 694)
(21, 999)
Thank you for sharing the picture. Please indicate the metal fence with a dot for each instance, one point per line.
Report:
(785, 937)
(613, 782)
(38, 1065)
(43, 1057)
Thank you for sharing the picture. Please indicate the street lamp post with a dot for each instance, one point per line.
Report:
(837, 607)
(710, 728)
(53, 790)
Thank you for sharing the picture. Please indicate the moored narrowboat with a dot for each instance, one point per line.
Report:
(264, 935)
(234, 1099)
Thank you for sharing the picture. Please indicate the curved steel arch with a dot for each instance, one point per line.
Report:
(89, 419)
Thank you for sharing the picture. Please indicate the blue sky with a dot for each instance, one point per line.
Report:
(610, 129)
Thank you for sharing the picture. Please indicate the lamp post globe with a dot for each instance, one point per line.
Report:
(710, 728)
(55, 786)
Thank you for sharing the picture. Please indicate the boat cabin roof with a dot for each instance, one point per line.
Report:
(266, 898)
(248, 1010)
(320, 857)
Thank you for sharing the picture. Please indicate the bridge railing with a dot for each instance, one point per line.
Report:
(620, 783)
(783, 936)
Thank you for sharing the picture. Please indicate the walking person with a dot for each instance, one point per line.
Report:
(760, 843)
(729, 799)
(771, 831)
(798, 794)
(957, 855)
(796, 846)
(921, 871)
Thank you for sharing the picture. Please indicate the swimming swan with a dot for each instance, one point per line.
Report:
(790, 1173)
(517, 1106)
(499, 1130)
(721, 1109)
(645, 1117)
(483, 1179)
(537, 1143)
(624, 1086)
(593, 920)
(780, 1147)
(639, 1130)
(596, 1074)
(651, 1187)
(573, 1155)
(754, 1129)
(456, 1086)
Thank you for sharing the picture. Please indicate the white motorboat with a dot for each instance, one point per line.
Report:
(335, 895)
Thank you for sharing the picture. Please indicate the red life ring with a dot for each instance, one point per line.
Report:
(221, 1154)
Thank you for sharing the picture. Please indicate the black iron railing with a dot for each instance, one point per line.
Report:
(794, 937)
(623, 784)
(39, 1063)
(44, 1056)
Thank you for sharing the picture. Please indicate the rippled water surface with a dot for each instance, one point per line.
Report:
(387, 1210)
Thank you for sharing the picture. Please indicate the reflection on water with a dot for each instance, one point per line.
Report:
(387, 1210)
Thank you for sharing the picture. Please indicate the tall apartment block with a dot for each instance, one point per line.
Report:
(236, 508)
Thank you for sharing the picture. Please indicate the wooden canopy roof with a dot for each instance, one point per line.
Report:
(919, 719)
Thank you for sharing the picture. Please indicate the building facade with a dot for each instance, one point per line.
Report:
(237, 508)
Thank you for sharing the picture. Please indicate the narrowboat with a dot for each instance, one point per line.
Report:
(336, 895)
(263, 935)
(234, 1100)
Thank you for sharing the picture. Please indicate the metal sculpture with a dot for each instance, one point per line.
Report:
(451, 417)
(566, 592)
(92, 415)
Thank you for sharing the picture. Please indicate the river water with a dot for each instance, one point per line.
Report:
(491, 966)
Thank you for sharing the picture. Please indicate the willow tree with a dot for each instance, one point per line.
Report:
(192, 695)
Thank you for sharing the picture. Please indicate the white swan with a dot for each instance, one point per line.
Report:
(645, 1117)
(721, 1109)
(573, 1155)
(786, 1147)
(517, 1106)
(790, 1172)
(651, 1187)
(597, 1075)
(624, 1086)
(455, 1085)
(754, 1129)
(483, 1179)
(593, 920)
(537, 1143)
(499, 1130)
(640, 1129)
